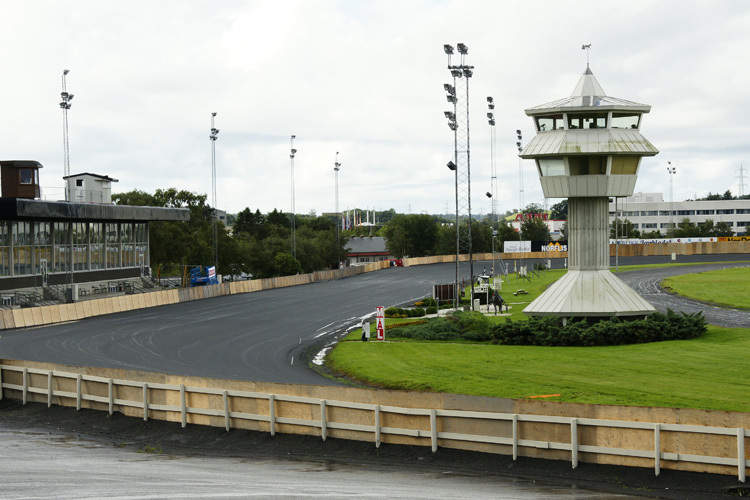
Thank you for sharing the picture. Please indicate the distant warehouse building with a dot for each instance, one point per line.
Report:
(46, 243)
(649, 212)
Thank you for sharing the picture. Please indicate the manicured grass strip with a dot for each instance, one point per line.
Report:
(709, 373)
(726, 287)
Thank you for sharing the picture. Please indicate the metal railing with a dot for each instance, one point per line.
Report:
(515, 440)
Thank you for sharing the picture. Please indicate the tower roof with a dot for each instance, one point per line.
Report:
(586, 95)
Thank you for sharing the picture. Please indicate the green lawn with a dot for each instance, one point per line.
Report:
(711, 372)
(727, 287)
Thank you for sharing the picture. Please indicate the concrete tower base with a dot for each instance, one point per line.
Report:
(589, 293)
(589, 288)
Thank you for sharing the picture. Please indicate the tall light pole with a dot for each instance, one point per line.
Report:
(336, 167)
(294, 236)
(213, 136)
(493, 175)
(65, 105)
(672, 170)
(519, 138)
(458, 121)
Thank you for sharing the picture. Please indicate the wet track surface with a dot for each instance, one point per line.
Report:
(60, 453)
(268, 336)
(646, 283)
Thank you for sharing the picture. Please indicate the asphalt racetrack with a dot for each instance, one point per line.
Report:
(268, 336)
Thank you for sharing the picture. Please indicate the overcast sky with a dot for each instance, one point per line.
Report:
(363, 78)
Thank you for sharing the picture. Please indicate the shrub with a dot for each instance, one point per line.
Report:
(432, 310)
(548, 331)
(405, 324)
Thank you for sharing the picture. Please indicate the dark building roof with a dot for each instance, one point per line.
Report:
(24, 209)
(367, 245)
(21, 163)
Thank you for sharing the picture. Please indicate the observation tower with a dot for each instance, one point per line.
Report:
(588, 148)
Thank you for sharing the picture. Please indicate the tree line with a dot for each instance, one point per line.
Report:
(257, 244)
(421, 235)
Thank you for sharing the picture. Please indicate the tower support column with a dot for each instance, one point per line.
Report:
(588, 233)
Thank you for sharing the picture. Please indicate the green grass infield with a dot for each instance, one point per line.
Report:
(711, 372)
(726, 287)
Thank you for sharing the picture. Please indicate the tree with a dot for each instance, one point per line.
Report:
(652, 235)
(623, 229)
(286, 264)
(534, 230)
(505, 232)
(413, 235)
(446, 240)
(709, 228)
(560, 210)
(533, 208)
(253, 224)
(279, 219)
(171, 242)
(481, 238)
(686, 229)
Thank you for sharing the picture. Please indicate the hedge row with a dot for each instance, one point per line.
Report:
(548, 331)
(397, 312)
(457, 326)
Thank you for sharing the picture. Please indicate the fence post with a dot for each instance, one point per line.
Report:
(183, 405)
(49, 389)
(78, 392)
(145, 401)
(111, 390)
(323, 422)
(657, 449)
(515, 436)
(272, 414)
(741, 454)
(25, 385)
(226, 409)
(377, 426)
(574, 441)
(1, 382)
(433, 430)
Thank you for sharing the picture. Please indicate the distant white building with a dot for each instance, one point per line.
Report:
(90, 188)
(649, 212)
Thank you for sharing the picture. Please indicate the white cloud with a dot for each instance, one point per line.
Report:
(365, 79)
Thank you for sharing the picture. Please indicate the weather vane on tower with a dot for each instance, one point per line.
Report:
(587, 48)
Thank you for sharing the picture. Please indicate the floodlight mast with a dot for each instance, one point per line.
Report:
(293, 222)
(65, 104)
(493, 179)
(214, 226)
(336, 167)
(672, 170)
(458, 122)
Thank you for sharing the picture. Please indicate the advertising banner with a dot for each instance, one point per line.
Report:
(510, 246)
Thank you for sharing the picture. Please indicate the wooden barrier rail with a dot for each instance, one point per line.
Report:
(229, 408)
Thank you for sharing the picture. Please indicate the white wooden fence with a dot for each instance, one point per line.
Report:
(324, 424)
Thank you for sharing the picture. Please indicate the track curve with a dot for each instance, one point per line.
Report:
(261, 336)
(646, 282)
